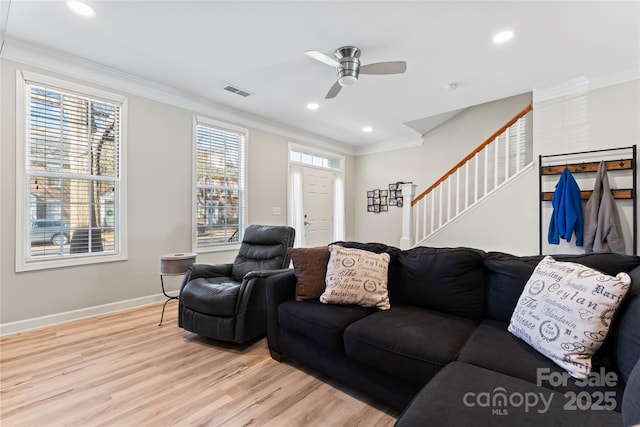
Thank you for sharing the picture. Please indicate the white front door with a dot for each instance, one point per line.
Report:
(317, 203)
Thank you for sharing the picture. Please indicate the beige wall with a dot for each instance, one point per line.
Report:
(442, 148)
(573, 118)
(159, 154)
(566, 119)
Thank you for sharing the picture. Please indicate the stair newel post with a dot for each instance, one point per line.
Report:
(408, 193)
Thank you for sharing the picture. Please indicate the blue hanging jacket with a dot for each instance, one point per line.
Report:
(567, 211)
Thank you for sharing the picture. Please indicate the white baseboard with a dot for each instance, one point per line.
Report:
(83, 313)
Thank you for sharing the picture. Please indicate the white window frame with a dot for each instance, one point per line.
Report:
(242, 214)
(23, 202)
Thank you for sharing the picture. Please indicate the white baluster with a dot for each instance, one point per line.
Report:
(486, 170)
(457, 192)
(440, 205)
(448, 199)
(466, 185)
(475, 182)
(433, 209)
(518, 148)
(506, 155)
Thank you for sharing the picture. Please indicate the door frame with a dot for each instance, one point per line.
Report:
(337, 172)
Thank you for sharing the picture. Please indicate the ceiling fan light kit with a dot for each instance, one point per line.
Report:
(348, 69)
(348, 65)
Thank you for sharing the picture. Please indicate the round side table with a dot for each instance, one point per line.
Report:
(174, 265)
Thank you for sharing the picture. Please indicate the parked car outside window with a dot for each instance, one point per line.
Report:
(50, 230)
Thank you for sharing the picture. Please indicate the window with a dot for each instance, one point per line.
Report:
(219, 205)
(69, 174)
(314, 159)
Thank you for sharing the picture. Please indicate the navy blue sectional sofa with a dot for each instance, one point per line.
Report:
(442, 353)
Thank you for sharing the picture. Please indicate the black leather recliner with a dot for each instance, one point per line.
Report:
(227, 301)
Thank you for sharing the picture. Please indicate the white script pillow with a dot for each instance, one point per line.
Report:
(565, 310)
(355, 276)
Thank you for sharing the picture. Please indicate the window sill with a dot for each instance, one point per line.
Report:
(22, 266)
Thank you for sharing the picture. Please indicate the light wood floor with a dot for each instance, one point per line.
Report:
(123, 370)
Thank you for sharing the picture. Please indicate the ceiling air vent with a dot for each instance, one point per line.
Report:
(237, 90)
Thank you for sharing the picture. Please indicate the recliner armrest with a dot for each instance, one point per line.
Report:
(209, 270)
(263, 273)
(204, 270)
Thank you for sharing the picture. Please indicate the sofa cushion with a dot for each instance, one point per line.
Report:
(322, 323)
(310, 268)
(491, 346)
(531, 366)
(450, 280)
(215, 296)
(466, 395)
(565, 311)
(406, 341)
(356, 276)
(507, 274)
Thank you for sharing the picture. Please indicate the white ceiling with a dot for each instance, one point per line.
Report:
(198, 47)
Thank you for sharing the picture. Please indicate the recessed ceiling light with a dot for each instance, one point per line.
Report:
(81, 8)
(312, 106)
(503, 36)
(367, 129)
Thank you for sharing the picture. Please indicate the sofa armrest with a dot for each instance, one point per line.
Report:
(280, 287)
(253, 290)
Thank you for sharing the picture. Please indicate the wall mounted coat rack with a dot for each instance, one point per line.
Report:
(626, 163)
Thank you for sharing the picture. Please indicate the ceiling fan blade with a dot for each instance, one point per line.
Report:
(391, 67)
(322, 58)
(334, 91)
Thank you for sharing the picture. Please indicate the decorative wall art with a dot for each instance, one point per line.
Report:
(379, 200)
(395, 194)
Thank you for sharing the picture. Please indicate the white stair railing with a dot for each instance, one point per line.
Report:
(483, 171)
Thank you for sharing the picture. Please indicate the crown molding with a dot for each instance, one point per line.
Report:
(74, 67)
(582, 84)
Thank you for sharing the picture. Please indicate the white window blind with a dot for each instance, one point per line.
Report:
(219, 185)
(72, 179)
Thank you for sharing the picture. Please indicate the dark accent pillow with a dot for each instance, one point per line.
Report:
(310, 268)
(449, 280)
(627, 340)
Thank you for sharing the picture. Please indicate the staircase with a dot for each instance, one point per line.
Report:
(498, 160)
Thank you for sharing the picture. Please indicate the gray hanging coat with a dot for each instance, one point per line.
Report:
(602, 230)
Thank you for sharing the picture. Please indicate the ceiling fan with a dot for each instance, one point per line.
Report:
(348, 68)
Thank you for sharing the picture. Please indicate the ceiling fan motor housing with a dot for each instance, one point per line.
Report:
(349, 69)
